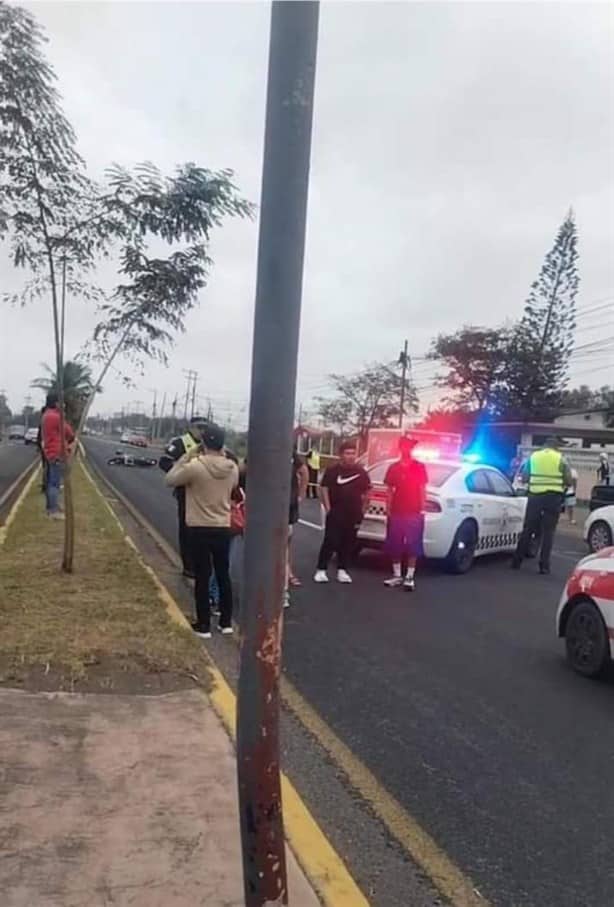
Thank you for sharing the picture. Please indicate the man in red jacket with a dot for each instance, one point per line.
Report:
(52, 448)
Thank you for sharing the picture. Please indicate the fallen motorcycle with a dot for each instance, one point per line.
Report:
(122, 458)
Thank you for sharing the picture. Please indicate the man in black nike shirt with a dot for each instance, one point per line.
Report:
(343, 493)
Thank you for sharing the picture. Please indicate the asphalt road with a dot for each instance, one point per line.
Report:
(14, 457)
(459, 701)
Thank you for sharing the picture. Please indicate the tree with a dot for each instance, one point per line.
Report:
(366, 399)
(5, 413)
(542, 342)
(585, 398)
(44, 192)
(77, 382)
(60, 222)
(475, 359)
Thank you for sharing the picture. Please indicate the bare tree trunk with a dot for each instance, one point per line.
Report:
(107, 365)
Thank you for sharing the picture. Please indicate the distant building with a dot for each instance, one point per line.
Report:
(588, 418)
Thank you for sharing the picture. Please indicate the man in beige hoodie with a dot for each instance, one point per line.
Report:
(209, 479)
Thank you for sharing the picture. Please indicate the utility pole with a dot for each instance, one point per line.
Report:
(161, 416)
(154, 411)
(190, 376)
(405, 363)
(281, 246)
(26, 411)
(174, 416)
(194, 380)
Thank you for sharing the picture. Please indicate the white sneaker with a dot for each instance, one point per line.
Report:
(320, 576)
(286, 600)
(394, 582)
(226, 631)
(343, 576)
(409, 583)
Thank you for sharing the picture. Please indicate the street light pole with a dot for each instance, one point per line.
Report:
(285, 181)
(404, 363)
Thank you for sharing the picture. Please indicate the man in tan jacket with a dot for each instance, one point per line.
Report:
(209, 479)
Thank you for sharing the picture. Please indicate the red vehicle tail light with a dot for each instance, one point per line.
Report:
(432, 506)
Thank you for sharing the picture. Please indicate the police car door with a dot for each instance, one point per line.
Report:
(511, 509)
(486, 509)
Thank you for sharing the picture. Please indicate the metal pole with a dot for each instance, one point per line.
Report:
(194, 380)
(285, 180)
(404, 360)
(174, 417)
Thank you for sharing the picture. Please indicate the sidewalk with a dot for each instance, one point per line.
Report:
(123, 793)
(120, 800)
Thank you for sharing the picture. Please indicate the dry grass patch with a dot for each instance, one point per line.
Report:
(104, 625)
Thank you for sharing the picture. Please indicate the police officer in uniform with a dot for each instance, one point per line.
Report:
(313, 465)
(547, 474)
(175, 449)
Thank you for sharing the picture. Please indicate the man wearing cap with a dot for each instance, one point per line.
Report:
(209, 479)
(176, 448)
(54, 452)
(406, 480)
(547, 475)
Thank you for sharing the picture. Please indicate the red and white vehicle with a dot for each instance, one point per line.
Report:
(585, 617)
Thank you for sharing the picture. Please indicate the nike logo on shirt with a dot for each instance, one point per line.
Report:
(341, 481)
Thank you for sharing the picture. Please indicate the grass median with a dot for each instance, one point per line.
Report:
(103, 627)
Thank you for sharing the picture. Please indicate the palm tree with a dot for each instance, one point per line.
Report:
(78, 385)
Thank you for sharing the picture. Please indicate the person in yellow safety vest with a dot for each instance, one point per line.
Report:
(175, 449)
(547, 475)
(313, 465)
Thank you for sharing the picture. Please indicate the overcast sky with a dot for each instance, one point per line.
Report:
(449, 141)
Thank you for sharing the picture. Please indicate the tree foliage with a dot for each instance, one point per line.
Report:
(5, 412)
(538, 357)
(156, 293)
(475, 359)
(78, 384)
(59, 222)
(367, 399)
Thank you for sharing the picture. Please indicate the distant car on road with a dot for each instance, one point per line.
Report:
(471, 510)
(17, 432)
(125, 437)
(138, 441)
(599, 528)
(31, 436)
(585, 616)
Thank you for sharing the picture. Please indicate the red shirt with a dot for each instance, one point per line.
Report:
(407, 479)
(50, 434)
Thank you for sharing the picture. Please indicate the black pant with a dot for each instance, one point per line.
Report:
(339, 538)
(541, 518)
(184, 541)
(211, 546)
(312, 488)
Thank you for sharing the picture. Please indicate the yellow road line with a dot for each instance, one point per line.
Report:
(446, 876)
(443, 872)
(15, 508)
(322, 865)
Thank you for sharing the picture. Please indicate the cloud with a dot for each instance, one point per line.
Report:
(449, 141)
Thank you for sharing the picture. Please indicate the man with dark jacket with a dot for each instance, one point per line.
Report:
(177, 447)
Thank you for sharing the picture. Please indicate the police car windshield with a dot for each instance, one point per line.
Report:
(437, 473)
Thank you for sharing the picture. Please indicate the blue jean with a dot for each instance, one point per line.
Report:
(55, 471)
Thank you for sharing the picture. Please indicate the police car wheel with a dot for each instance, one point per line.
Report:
(462, 552)
(599, 536)
(586, 640)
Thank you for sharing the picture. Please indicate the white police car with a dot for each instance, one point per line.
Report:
(599, 528)
(471, 510)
